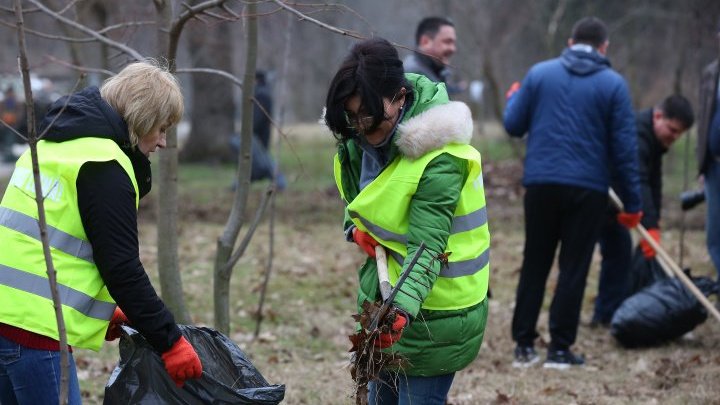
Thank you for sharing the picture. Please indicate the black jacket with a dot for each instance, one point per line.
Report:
(650, 153)
(106, 200)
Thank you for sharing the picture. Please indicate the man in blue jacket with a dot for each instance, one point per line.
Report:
(578, 116)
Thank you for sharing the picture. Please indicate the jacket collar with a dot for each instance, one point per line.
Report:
(434, 128)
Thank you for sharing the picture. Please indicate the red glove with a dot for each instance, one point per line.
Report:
(512, 90)
(385, 340)
(629, 220)
(365, 241)
(114, 331)
(647, 250)
(181, 362)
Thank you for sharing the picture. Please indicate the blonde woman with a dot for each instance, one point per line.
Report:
(94, 168)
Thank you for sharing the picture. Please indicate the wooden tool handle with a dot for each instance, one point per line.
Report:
(382, 269)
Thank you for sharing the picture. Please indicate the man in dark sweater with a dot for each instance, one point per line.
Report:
(657, 129)
(435, 40)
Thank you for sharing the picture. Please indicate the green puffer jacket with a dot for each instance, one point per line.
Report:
(435, 342)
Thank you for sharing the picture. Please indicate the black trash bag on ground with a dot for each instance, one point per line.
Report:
(643, 271)
(663, 311)
(228, 376)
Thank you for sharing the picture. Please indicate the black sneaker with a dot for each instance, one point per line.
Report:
(525, 356)
(563, 359)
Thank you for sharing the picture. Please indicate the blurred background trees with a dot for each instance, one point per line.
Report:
(658, 45)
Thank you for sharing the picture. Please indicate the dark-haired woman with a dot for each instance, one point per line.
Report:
(408, 175)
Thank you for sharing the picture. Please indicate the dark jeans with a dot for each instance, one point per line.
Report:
(399, 389)
(614, 284)
(29, 376)
(571, 216)
(712, 223)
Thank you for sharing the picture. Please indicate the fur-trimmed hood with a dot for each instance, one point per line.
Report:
(434, 128)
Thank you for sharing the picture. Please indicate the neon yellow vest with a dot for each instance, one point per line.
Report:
(25, 299)
(382, 210)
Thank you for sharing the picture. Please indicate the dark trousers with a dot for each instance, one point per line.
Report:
(614, 284)
(571, 216)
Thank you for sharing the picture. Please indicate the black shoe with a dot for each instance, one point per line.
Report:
(525, 356)
(563, 359)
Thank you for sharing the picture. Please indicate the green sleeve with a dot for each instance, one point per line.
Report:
(431, 216)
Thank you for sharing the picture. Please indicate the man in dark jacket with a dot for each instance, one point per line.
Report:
(708, 154)
(578, 116)
(435, 41)
(657, 129)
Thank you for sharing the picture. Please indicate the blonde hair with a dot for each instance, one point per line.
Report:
(146, 95)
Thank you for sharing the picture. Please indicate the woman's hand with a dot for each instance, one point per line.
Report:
(365, 241)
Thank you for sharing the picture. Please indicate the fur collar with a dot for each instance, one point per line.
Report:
(434, 128)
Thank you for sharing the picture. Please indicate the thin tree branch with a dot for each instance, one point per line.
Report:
(12, 10)
(192, 11)
(221, 17)
(42, 219)
(219, 72)
(329, 27)
(177, 27)
(80, 68)
(68, 7)
(230, 11)
(13, 130)
(251, 230)
(114, 44)
(281, 118)
(268, 267)
(75, 39)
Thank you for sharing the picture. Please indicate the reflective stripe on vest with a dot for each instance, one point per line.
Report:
(40, 286)
(461, 223)
(454, 269)
(58, 239)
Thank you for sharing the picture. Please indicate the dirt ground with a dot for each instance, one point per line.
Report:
(303, 342)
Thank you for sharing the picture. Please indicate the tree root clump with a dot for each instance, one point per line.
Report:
(368, 360)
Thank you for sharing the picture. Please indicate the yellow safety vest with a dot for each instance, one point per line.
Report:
(382, 210)
(25, 298)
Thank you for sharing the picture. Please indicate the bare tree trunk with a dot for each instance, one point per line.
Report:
(213, 113)
(39, 200)
(281, 122)
(495, 91)
(167, 207)
(73, 47)
(226, 241)
(94, 14)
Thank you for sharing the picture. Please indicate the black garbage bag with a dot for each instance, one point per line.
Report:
(663, 311)
(643, 271)
(228, 376)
